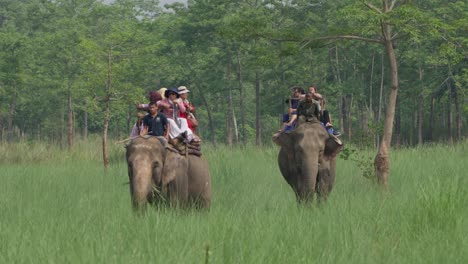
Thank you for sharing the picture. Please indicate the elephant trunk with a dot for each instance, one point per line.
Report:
(308, 178)
(140, 183)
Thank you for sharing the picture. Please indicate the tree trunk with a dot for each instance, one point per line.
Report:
(229, 109)
(414, 126)
(11, 113)
(241, 98)
(382, 159)
(258, 121)
(398, 124)
(63, 132)
(458, 113)
(347, 105)
(431, 119)
(105, 155)
(236, 132)
(342, 114)
(39, 132)
(420, 117)
(334, 61)
(85, 125)
(364, 118)
(3, 134)
(450, 114)
(379, 111)
(129, 120)
(70, 119)
(210, 117)
(371, 83)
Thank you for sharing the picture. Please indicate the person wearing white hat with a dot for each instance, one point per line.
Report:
(189, 108)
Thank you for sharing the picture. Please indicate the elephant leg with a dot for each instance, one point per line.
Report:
(325, 180)
(322, 185)
(177, 193)
(199, 181)
(175, 180)
(201, 198)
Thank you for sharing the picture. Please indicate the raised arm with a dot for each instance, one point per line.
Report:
(144, 131)
(181, 106)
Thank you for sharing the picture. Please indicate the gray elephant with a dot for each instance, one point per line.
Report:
(307, 160)
(157, 174)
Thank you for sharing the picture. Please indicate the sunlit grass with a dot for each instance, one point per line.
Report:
(60, 206)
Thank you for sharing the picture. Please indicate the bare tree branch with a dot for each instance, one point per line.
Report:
(392, 5)
(305, 42)
(370, 6)
(348, 37)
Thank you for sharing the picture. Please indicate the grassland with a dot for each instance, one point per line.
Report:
(58, 206)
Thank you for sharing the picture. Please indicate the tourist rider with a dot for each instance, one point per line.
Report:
(289, 119)
(326, 120)
(155, 123)
(189, 108)
(171, 106)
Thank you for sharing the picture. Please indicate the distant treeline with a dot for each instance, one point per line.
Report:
(69, 69)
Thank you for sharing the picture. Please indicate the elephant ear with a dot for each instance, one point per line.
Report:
(284, 140)
(175, 165)
(333, 146)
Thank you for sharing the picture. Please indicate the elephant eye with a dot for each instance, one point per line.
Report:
(155, 165)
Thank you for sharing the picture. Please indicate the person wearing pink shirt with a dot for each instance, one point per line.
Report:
(171, 106)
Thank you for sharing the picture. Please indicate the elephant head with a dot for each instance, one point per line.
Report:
(307, 159)
(145, 160)
(156, 172)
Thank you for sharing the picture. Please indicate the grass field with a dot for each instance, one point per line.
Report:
(60, 207)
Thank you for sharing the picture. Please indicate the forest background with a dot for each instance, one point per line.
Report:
(71, 68)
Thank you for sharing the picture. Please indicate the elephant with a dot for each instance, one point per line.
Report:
(159, 175)
(307, 160)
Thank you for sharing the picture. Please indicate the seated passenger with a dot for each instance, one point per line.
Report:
(155, 123)
(326, 121)
(289, 119)
(171, 107)
(189, 108)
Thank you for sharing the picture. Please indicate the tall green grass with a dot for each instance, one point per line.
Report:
(59, 206)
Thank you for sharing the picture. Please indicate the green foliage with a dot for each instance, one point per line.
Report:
(53, 49)
(362, 158)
